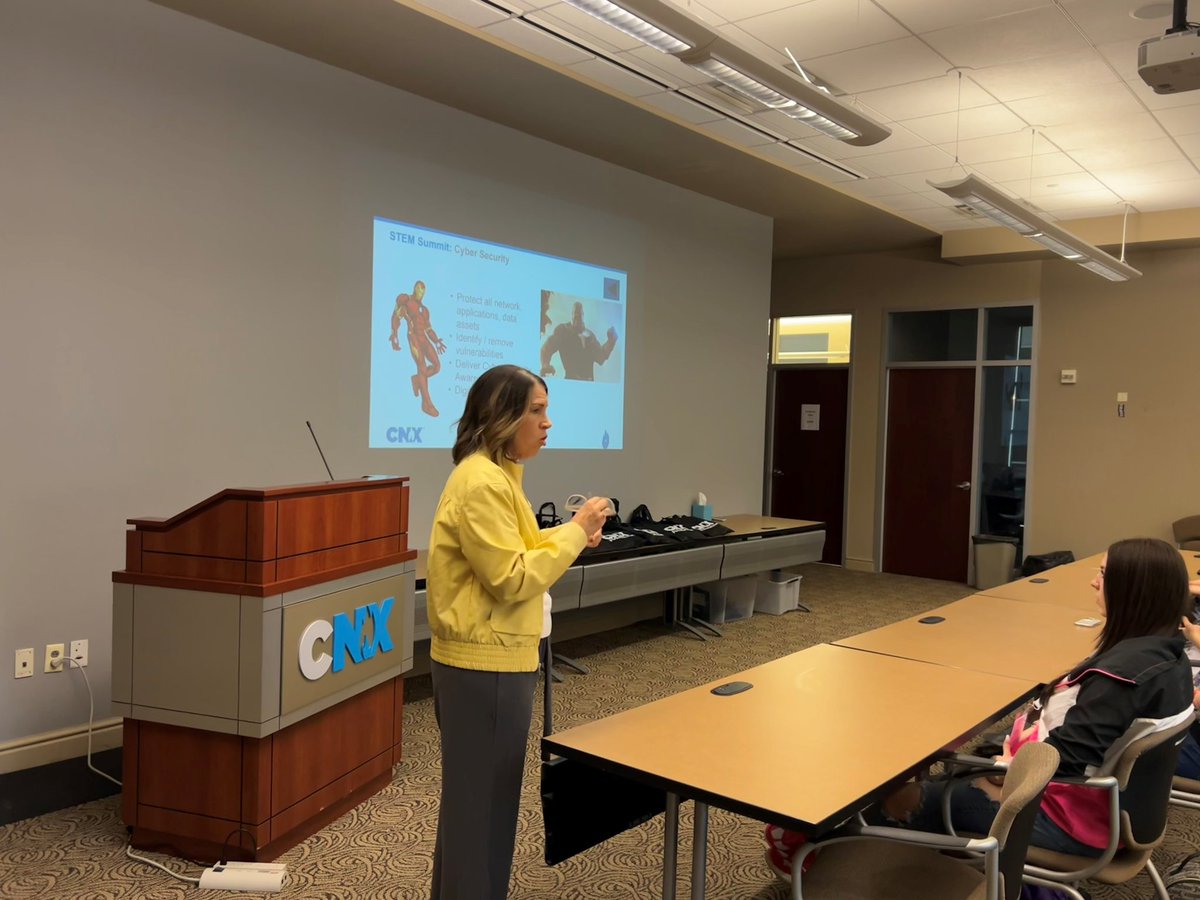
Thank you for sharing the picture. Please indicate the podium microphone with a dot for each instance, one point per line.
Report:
(319, 450)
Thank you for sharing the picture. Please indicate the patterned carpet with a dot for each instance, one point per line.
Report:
(384, 848)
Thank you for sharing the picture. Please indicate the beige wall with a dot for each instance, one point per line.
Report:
(1094, 477)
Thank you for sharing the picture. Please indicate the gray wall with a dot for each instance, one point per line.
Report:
(185, 266)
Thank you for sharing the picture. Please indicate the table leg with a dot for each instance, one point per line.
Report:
(699, 850)
(670, 846)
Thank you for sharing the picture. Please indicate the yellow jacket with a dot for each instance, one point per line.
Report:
(489, 566)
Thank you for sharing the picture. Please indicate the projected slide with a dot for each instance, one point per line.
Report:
(445, 308)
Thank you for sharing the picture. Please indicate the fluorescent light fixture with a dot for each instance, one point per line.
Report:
(672, 29)
(633, 25)
(1030, 222)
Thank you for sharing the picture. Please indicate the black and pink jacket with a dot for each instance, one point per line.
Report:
(1089, 711)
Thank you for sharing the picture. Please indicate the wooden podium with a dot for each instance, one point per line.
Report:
(259, 641)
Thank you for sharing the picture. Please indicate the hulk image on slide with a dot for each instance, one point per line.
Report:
(423, 342)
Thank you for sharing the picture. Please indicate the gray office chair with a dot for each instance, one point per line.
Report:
(1138, 780)
(866, 862)
(1187, 532)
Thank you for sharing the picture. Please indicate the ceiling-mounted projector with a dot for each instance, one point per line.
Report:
(1171, 64)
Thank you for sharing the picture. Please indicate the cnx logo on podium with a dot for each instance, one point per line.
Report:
(350, 637)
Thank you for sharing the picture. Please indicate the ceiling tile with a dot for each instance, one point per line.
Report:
(979, 121)
(771, 52)
(1126, 182)
(1181, 120)
(909, 201)
(1015, 145)
(529, 4)
(1075, 105)
(1106, 21)
(1045, 191)
(735, 10)
(930, 15)
(736, 133)
(901, 162)
(1036, 77)
(1169, 195)
(1101, 200)
(822, 27)
(1128, 153)
(1190, 143)
(1122, 56)
(877, 187)
(786, 154)
(878, 66)
(469, 12)
(707, 12)
(614, 76)
(1039, 166)
(926, 98)
(681, 107)
(1007, 39)
(528, 37)
(1146, 95)
(1098, 133)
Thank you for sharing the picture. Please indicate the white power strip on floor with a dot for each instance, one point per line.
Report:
(244, 876)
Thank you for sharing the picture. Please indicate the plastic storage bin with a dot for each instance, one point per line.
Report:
(995, 558)
(777, 593)
(728, 600)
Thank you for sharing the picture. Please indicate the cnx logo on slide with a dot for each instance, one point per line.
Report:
(346, 639)
(400, 434)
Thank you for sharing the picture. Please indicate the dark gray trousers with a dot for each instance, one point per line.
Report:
(484, 720)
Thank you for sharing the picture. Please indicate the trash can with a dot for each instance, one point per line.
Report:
(995, 557)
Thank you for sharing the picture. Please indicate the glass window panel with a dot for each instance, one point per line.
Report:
(1009, 332)
(822, 340)
(1003, 448)
(942, 335)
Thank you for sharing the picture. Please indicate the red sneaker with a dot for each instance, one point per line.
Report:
(781, 847)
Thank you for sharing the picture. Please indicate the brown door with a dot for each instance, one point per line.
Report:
(927, 492)
(808, 479)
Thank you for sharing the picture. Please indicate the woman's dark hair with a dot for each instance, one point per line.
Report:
(496, 403)
(1145, 586)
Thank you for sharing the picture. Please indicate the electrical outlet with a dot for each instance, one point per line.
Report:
(24, 663)
(79, 652)
(54, 657)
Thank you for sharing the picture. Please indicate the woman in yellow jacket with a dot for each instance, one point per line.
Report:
(489, 567)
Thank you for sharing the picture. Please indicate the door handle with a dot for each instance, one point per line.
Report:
(963, 485)
(777, 471)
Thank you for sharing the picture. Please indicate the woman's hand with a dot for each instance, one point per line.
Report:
(594, 539)
(590, 517)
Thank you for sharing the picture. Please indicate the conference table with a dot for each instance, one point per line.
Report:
(985, 633)
(779, 751)
(1071, 584)
(802, 748)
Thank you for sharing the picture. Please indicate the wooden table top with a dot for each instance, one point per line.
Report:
(746, 525)
(1070, 585)
(982, 633)
(821, 732)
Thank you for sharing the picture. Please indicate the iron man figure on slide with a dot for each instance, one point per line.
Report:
(423, 342)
